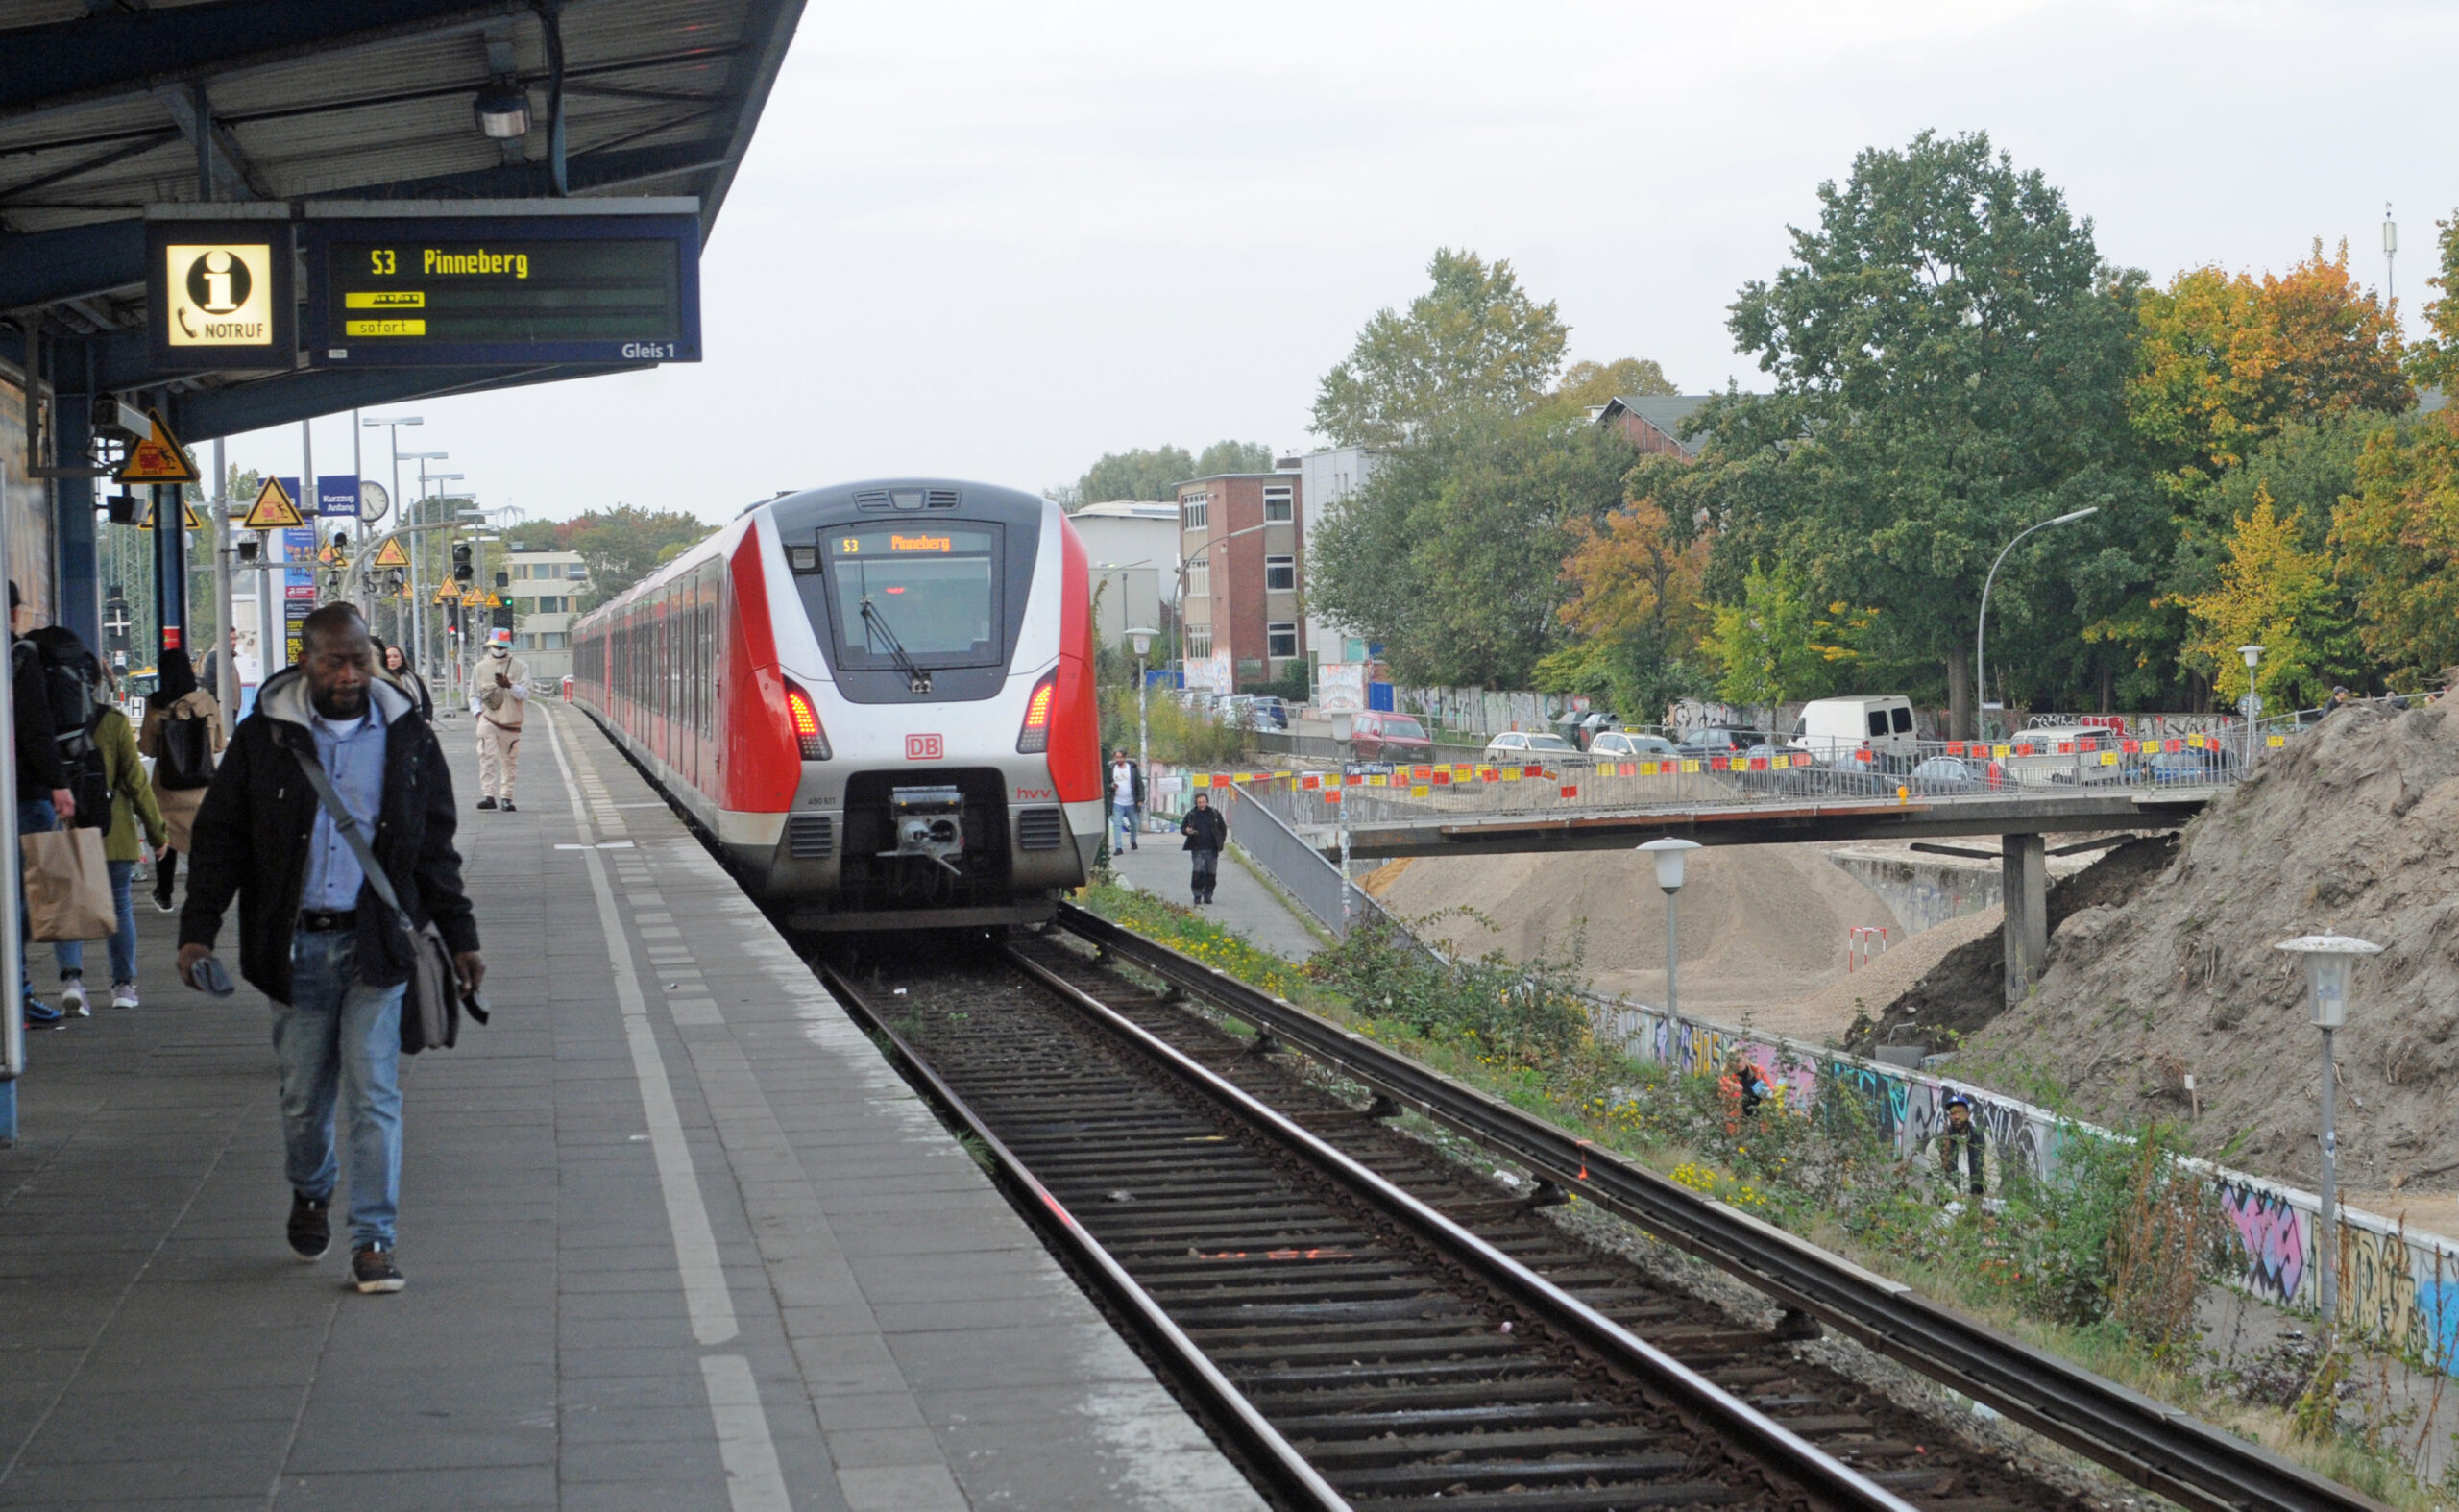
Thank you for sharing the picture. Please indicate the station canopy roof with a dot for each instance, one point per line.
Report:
(109, 106)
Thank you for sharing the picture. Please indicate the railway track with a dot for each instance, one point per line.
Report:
(1370, 1325)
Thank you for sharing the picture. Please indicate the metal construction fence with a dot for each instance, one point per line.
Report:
(2396, 1288)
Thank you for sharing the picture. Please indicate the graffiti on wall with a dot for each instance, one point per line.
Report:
(2399, 1289)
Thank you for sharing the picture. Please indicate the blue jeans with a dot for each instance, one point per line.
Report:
(338, 1038)
(1123, 820)
(71, 953)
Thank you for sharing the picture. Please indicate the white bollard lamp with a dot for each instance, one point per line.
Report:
(2330, 963)
(1669, 855)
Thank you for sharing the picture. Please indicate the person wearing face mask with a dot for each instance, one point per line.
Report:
(313, 936)
(499, 699)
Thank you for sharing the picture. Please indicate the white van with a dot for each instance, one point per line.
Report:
(1837, 730)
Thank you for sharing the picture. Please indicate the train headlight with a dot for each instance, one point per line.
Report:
(1035, 738)
(808, 734)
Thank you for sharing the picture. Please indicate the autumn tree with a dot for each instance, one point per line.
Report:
(2276, 593)
(2434, 358)
(2223, 361)
(1778, 643)
(1472, 347)
(1589, 384)
(2398, 539)
(1634, 601)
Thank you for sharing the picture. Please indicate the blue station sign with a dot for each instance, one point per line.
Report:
(487, 282)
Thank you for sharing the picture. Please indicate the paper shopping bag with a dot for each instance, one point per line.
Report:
(68, 885)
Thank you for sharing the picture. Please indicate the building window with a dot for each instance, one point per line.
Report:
(575, 571)
(1198, 509)
(550, 604)
(1280, 576)
(1278, 504)
(554, 641)
(1281, 640)
(1200, 578)
(526, 643)
(1199, 643)
(521, 572)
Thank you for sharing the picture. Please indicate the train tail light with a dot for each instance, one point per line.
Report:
(808, 734)
(1035, 738)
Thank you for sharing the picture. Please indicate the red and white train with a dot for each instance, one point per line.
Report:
(877, 699)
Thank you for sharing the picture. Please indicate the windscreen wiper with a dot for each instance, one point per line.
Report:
(915, 678)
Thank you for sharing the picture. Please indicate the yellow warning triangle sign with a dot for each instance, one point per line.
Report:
(447, 594)
(273, 509)
(187, 513)
(391, 554)
(158, 458)
(494, 602)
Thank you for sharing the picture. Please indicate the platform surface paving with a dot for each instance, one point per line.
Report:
(676, 1237)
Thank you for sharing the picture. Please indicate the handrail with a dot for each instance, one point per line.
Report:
(2148, 1442)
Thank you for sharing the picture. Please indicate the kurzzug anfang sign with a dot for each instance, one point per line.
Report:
(220, 293)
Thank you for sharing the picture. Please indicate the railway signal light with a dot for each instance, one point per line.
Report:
(462, 570)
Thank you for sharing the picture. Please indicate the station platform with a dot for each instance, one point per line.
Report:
(676, 1236)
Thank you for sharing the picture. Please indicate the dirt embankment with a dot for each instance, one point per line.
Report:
(1967, 989)
(2354, 828)
(1764, 927)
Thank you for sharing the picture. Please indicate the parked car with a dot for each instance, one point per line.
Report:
(1620, 744)
(1534, 746)
(1949, 774)
(2191, 769)
(1836, 731)
(1380, 734)
(1719, 742)
(2065, 756)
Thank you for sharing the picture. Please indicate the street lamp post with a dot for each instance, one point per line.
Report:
(2331, 961)
(1142, 641)
(1668, 854)
(2254, 704)
(414, 513)
(393, 429)
(1981, 625)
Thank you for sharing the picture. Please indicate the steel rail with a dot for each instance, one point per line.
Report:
(2149, 1443)
(1715, 1409)
(1271, 1454)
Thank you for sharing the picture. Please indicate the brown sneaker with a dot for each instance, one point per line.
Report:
(371, 1270)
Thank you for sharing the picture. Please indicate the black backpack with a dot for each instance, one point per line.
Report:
(72, 681)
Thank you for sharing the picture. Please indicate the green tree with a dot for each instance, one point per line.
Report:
(1778, 644)
(1232, 456)
(1452, 553)
(1471, 347)
(1147, 473)
(2435, 358)
(624, 545)
(2396, 536)
(1949, 354)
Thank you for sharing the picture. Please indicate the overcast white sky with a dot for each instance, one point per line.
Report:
(993, 241)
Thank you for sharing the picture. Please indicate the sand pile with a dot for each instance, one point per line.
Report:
(1966, 988)
(1762, 926)
(2353, 828)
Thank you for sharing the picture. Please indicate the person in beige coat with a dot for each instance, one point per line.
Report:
(176, 697)
(498, 697)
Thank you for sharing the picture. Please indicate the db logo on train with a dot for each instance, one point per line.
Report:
(923, 748)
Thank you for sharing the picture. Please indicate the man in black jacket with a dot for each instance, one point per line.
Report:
(312, 935)
(1207, 831)
(43, 799)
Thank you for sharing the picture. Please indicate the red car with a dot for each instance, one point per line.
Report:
(1379, 734)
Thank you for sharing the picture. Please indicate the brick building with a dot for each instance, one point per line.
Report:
(1243, 536)
(1655, 422)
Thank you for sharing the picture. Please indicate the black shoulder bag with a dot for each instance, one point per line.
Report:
(431, 1008)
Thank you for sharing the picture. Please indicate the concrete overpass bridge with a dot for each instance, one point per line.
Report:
(1412, 819)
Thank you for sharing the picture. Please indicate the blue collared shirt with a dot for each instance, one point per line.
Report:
(353, 754)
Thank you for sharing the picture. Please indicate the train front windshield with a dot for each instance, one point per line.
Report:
(931, 591)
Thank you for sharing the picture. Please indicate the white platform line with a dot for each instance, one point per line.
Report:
(754, 1482)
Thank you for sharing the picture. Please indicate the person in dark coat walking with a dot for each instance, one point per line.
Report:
(313, 936)
(1207, 831)
(44, 802)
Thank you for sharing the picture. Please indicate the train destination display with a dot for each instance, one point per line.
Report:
(456, 290)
